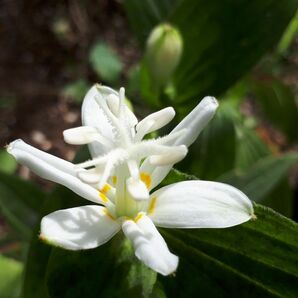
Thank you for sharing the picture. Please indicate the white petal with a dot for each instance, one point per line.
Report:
(79, 228)
(196, 120)
(149, 246)
(113, 103)
(199, 204)
(56, 162)
(95, 117)
(47, 170)
(193, 124)
(137, 189)
(80, 135)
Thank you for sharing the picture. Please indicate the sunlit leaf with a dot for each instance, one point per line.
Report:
(7, 163)
(256, 259)
(20, 202)
(105, 62)
(76, 90)
(264, 181)
(10, 277)
(225, 39)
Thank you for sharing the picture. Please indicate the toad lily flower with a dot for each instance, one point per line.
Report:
(120, 176)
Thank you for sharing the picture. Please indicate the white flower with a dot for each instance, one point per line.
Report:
(123, 171)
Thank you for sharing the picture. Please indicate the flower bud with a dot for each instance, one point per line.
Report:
(163, 52)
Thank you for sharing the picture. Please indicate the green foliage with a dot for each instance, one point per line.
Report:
(260, 181)
(215, 148)
(250, 148)
(288, 36)
(20, 202)
(278, 105)
(10, 277)
(248, 259)
(76, 90)
(222, 41)
(105, 62)
(225, 39)
(108, 271)
(7, 163)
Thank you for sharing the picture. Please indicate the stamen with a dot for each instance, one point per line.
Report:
(137, 189)
(93, 162)
(104, 141)
(145, 149)
(170, 137)
(121, 99)
(88, 176)
(177, 153)
(143, 130)
(113, 104)
(133, 169)
(160, 119)
(80, 135)
(106, 173)
(124, 137)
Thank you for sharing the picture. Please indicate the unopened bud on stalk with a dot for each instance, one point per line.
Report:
(164, 49)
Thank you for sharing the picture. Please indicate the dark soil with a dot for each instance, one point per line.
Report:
(36, 62)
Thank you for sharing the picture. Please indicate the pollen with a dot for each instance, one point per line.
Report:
(151, 206)
(139, 216)
(108, 214)
(105, 189)
(103, 197)
(146, 178)
(114, 180)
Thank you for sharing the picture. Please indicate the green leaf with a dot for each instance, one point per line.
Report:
(288, 36)
(278, 104)
(76, 90)
(20, 202)
(7, 163)
(144, 15)
(261, 178)
(264, 181)
(10, 277)
(215, 149)
(110, 270)
(35, 271)
(256, 259)
(222, 40)
(249, 149)
(105, 62)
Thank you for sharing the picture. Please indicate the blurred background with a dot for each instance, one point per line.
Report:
(244, 52)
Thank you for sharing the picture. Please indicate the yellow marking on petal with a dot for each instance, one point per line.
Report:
(114, 180)
(139, 216)
(108, 214)
(146, 178)
(103, 197)
(105, 189)
(151, 206)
